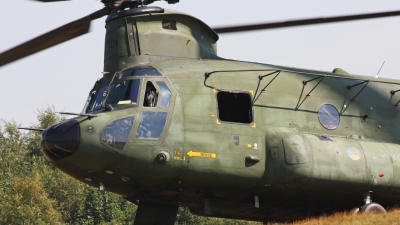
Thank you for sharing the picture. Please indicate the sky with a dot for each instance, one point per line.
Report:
(62, 76)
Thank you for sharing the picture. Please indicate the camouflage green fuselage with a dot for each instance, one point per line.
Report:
(299, 159)
(280, 152)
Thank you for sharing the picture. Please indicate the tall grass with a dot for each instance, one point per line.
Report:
(391, 218)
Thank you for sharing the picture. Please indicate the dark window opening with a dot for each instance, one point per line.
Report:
(169, 24)
(235, 107)
(150, 97)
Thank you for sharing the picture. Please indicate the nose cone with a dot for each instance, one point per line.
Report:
(61, 140)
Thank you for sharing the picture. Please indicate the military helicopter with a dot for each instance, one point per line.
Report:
(168, 127)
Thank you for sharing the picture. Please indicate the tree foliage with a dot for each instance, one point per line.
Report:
(33, 191)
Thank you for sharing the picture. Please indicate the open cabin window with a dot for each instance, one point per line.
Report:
(235, 107)
(150, 96)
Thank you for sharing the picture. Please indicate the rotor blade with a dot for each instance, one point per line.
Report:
(54, 37)
(292, 23)
(51, 0)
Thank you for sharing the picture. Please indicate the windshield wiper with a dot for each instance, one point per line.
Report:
(109, 89)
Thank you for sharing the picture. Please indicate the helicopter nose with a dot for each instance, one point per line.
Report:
(61, 140)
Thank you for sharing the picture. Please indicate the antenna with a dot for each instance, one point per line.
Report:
(379, 70)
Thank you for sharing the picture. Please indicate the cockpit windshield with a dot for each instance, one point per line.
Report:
(95, 103)
(124, 92)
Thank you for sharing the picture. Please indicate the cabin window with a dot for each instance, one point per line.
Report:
(329, 116)
(150, 96)
(117, 132)
(235, 107)
(151, 125)
(165, 94)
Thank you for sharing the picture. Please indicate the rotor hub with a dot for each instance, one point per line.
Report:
(123, 4)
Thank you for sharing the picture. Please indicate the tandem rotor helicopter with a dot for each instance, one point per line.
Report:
(172, 124)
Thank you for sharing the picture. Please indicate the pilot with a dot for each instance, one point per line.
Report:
(150, 96)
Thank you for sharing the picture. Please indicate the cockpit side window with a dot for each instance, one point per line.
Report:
(117, 132)
(165, 94)
(151, 125)
(150, 97)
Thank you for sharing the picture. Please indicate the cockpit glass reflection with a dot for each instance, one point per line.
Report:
(133, 96)
(123, 91)
(165, 94)
(89, 99)
(151, 125)
(96, 104)
(117, 132)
